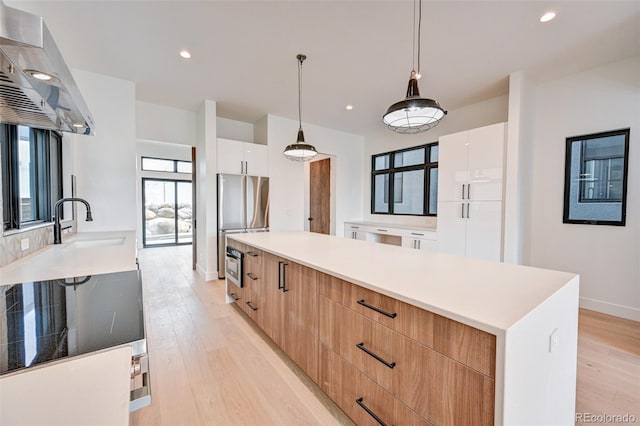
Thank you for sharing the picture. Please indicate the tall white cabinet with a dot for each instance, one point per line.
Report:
(245, 158)
(470, 186)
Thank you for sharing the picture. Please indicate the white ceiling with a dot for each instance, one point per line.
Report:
(359, 52)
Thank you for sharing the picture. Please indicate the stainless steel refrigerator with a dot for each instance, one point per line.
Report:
(243, 206)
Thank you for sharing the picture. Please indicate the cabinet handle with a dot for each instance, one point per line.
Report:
(280, 275)
(382, 230)
(250, 275)
(463, 191)
(246, 168)
(355, 227)
(234, 296)
(252, 254)
(468, 191)
(414, 243)
(369, 412)
(419, 244)
(366, 305)
(253, 308)
(284, 277)
(462, 211)
(418, 234)
(468, 211)
(354, 235)
(378, 358)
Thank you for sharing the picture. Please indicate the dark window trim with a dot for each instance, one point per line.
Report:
(43, 197)
(144, 208)
(567, 177)
(392, 170)
(175, 165)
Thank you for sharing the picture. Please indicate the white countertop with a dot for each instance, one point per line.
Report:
(390, 225)
(86, 253)
(487, 295)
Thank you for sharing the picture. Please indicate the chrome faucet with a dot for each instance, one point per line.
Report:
(57, 228)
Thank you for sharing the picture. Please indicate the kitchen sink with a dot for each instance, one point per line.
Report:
(104, 242)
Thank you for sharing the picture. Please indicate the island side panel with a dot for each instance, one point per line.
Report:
(90, 390)
(540, 363)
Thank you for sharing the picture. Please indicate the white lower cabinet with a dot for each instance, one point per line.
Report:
(414, 238)
(472, 229)
(419, 243)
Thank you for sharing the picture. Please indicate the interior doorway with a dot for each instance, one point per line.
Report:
(320, 196)
(167, 212)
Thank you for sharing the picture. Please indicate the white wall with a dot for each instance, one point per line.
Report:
(606, 257)
(480, 114)
(206, 203)
(234, 130)
(166, 124)
(287, 180)
(105, 163)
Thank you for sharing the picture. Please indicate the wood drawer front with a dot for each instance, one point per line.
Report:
(470, 346)
(235, 292)
(342, 329)
(349, 295)
(253, 258)
(465, 344)
(345, 385)
(440, 389)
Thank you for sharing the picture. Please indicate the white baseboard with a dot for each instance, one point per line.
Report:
(621, 311)
(207, 276)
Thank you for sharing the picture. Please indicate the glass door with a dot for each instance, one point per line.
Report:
(167, 212)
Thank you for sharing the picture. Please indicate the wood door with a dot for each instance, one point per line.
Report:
(319, 196)
(301, 317)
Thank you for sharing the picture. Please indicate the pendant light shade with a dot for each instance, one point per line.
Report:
(300, 151)
(414, 114)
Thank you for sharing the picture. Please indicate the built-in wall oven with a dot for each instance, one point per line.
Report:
(234, 260)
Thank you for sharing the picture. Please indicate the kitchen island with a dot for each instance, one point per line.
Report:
(443, 339)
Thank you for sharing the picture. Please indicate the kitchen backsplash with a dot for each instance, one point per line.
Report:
(11, 245)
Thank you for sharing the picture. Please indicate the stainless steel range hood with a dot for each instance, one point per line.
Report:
(36, 87)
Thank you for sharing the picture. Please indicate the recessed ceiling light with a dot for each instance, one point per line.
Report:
(185, 54)
(548, 16)
(41, 75)
(349, 107)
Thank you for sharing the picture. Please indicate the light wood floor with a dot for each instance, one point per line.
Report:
(211, 366)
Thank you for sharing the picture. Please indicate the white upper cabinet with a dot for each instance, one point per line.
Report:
(242, 158)
(470, 164)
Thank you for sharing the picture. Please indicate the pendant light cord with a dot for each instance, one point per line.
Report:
(300, 92)
(416, 40)
(419, 30)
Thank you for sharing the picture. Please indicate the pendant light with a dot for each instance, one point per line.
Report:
(414, 114)
(300, 151)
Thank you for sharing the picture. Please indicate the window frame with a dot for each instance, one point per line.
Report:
(41, 141)
(426, 166)
(568, 177)
(175, 165)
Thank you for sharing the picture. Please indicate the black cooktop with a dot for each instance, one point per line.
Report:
(44, 321)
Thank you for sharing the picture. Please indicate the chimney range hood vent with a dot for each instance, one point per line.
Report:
(36, 87)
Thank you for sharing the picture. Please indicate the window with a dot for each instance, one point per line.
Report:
(596, 178)
(405, 182)
(31, 174)
(164, 165)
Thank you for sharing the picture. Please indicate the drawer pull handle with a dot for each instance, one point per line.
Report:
(251, 306)
(250, 275)
(418, 234)
(366, 305)
(382, 230)
(369, 412)
(368, 352)
(233, 295)
(280, 274)
(252, 254)
(355, 227)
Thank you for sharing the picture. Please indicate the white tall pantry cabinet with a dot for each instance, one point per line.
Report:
(470, 185)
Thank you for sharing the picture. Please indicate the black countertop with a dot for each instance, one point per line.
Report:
(45, 321)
